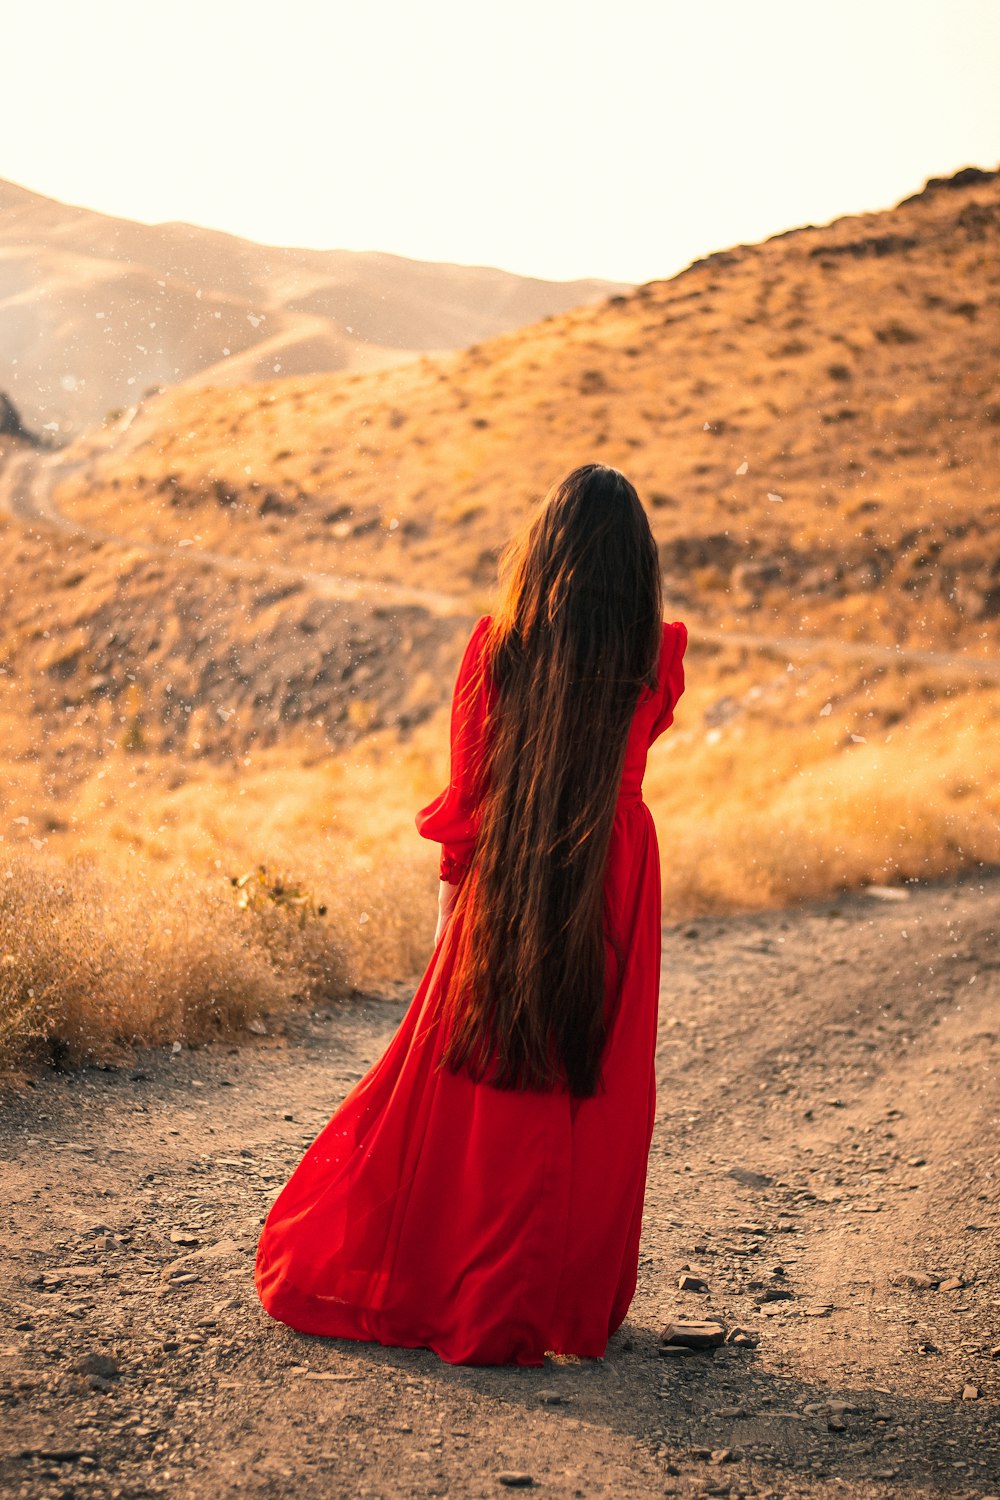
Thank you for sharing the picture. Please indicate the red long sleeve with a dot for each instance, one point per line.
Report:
(674, 646)
(452, 819)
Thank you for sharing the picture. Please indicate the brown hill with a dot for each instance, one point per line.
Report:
(95, 310)
(814, 422)
(205, 669)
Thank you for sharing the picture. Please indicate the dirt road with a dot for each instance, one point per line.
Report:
(827, 1120)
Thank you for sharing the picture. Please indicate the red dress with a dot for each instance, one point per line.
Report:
(492, 1226)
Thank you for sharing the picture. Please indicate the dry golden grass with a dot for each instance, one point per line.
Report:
(124, 922)
(95, 959)
(92, 964)
(779, 804)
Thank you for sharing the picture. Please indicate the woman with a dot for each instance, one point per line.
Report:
(479, 1192)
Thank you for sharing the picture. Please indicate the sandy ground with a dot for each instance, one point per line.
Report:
(827, 1122)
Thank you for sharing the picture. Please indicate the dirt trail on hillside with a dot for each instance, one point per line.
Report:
(826, 1122)
(26, 492)
(27, 486)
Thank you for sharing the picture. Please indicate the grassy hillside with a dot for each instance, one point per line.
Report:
(813, 423)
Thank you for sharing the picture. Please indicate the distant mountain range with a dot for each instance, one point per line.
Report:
(95, 310)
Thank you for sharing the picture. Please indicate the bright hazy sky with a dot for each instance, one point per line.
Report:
(556, 138)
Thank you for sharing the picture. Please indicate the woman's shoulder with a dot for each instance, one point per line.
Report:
(478, 632)
(474, 654)
(675, 635)
(673, 642)
(673, 639)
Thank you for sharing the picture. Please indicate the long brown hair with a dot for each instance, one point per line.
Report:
(574, 640)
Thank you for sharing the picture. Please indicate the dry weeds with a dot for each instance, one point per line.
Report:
(94, 961)
(791, 786)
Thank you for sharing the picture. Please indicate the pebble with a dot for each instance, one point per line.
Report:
(515, 1479)
(225, 1305)
(970, 1393)
(702, 1335)
(953, 1284)
(104, 1365)
(687, 1282)
(53, 1455)
(920, 1279)
(749, 1178)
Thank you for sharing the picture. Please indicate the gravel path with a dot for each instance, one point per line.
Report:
(827, 1124)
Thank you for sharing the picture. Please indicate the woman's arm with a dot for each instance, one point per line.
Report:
(673, 678)
(453, 817)
(447, 894)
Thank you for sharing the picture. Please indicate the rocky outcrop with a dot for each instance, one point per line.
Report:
(966, 177)
(12, 426)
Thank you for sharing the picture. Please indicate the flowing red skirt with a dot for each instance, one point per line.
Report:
(491, 1226)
